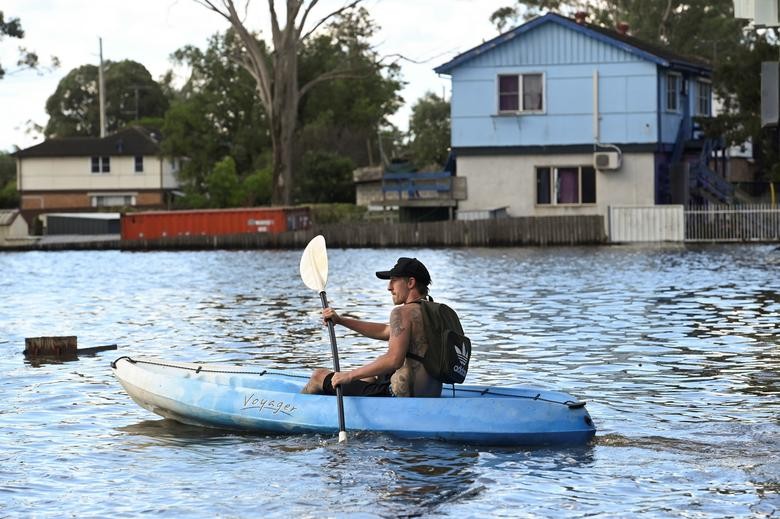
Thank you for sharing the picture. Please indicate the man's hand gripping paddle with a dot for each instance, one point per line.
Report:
(314, 272)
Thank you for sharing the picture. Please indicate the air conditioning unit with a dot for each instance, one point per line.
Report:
(606, 160)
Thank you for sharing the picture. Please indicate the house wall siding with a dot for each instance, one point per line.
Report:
(74, 173)
(510, 181)
(628, 93)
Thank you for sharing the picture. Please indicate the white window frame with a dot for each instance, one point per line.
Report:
(520, 109)
(101, 199)
(703, 86)
(135, 164)
(103, 165)
(555, 185)
(676, 91)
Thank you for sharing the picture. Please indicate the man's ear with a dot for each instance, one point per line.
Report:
(411, 282)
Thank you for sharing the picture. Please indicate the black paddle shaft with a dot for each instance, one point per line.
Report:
(335, 351)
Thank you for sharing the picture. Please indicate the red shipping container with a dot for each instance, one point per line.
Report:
(213, 222)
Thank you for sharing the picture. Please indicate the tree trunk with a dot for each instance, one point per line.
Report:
(284, 115)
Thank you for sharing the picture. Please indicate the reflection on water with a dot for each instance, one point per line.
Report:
(675, 349)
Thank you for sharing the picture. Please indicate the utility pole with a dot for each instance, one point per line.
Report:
(102, 92)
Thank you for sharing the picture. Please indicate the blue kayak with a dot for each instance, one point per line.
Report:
(249, 398)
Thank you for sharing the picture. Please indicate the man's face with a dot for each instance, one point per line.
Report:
(399, 289)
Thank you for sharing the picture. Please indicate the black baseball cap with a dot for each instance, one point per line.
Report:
(407, 268)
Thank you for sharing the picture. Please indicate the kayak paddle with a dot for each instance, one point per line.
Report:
(314, 272)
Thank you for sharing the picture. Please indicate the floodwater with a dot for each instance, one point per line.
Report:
(675, 349)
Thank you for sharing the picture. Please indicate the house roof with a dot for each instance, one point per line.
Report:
(130, 141)
(650, 52)
(7, 216)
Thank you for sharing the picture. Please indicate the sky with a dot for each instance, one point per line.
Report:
(430, 32)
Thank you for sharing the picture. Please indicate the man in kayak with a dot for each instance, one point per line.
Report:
(392, 373)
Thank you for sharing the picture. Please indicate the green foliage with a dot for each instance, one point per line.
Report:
(223, 185)
(430, 129)
(131, 94)
(7, 168)
(258, 187)
(336, 213)
(191, 200)
(325, 177)
(9, 196)
(343, 114)
(216, 114)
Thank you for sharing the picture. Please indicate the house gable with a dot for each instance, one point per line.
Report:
(554, 39)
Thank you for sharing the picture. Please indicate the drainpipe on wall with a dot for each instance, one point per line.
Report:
(597, 120)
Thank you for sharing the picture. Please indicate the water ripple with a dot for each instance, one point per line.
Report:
(674, 348)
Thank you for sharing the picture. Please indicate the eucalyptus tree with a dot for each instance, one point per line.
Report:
(275, 70)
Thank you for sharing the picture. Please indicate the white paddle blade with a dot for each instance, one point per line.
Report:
(314, 264)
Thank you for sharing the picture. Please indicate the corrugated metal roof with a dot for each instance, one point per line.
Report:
(130, 141)
(7, 216)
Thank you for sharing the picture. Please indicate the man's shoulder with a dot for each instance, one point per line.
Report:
(409, 309)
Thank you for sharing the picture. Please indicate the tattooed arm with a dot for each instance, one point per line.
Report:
(377, 331)
(393, 359)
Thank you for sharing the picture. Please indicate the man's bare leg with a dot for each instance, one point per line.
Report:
(314, 385)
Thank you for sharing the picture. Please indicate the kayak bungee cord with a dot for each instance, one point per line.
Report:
(200, 369)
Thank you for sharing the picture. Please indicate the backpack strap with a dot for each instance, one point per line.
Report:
(409, 354)
(414, 356)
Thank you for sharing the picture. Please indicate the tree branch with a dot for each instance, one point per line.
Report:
(322, 20)
(275, 30)
(255, 64)
(327, 76)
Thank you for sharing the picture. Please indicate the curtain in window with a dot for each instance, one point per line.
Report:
(568, 186)
(508, 92)
(532, 92)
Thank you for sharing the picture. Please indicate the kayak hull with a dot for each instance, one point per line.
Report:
(248, 398)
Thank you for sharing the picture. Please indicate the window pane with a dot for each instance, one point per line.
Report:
(139, 164)
(671, 92)
(705, 93)
(588, 185)
(532, 92)
(543, 185)
(106, 164)
(508, 91)
(95, 165)
(568, 186)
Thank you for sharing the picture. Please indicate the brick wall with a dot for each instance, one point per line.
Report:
(51, 201)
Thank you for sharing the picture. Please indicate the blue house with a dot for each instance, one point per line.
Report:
(558, 116)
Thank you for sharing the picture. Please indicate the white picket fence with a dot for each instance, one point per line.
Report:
(740, 223)
(732, 223)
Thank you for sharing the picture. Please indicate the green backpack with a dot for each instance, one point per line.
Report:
(449, 351)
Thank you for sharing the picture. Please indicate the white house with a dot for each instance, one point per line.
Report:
(125, 169)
